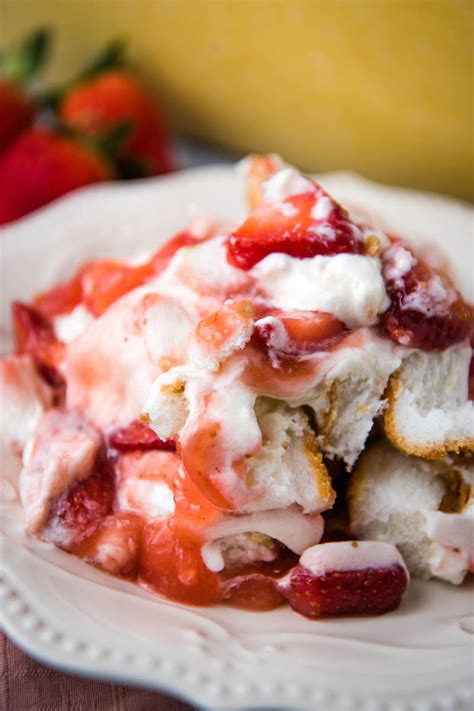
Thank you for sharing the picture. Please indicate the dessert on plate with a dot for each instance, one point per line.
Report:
(256, 413)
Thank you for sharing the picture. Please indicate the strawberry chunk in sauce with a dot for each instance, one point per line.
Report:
(171, 564)
(79, 512)
(34, 334)
(104, 282)
(255, 587)
(295, 227)
(114, 546)
(297, 333)
(426, 310)
(138, 435)
(100, 283)
(62, 298)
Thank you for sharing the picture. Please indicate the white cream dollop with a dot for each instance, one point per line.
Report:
(284, 184)
(351, 555)
(350, 286)
(69, 326)
(297, 531)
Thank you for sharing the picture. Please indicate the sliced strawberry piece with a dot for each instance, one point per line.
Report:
(103, 282)
(34, 334)
(114, 546)
(255, 587)
(138, 435)
(296, 227)
(297, 333)
(79, 512)
(471, 371)
(163, 256)
(62, 298)
(253, 591)
(426, 309)
(172, 565)
(346, 578)
(100, 283)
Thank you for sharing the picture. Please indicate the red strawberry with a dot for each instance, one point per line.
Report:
(103, 282)
(62, 298)
(346, 578)
(172, 565)
(79, 512)
(296, 227)
(35, 335)
(116, 96)
(252, 591)
(471, 371)
(40, 166)
(426, 310)
(100, 283)
(115, 544)
(256, 586)
(297, 333)
(18, 65)
(16, 112)
(137, 435)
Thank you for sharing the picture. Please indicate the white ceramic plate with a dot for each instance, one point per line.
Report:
(72, 616)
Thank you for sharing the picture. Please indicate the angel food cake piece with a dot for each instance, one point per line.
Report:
(425, 507)
(189, 403)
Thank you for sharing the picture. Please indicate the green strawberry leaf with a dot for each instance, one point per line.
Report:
(25, 58)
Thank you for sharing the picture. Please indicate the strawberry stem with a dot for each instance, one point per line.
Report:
(110, 57)
(25, 58)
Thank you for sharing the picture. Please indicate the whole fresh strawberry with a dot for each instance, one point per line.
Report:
(113, 96)
(16, 112)
(18, 65)
(40, 166)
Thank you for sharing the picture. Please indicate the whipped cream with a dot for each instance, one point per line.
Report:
(350, 286)
(71, 325)
(24, 397)
(284, 184)
(399, 261)
(61, 451)
(107, 368)
(151, 497)
(297, 531)
(351, 555)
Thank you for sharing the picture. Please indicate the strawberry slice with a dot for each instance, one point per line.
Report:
(62, 298)
(138, 435)
(172, 565)
(79, 512)
(297, 333)
(100, 283)
(253, 591)
(426, 310)
(302, 226)
(163, 256)
(255, 587)
(471, 371)
(103, 282)
(115, 544)
(34, 334)
(346, 578)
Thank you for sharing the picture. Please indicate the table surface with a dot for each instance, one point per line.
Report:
(26, 685)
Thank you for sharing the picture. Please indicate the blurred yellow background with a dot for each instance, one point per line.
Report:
(382, 87)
